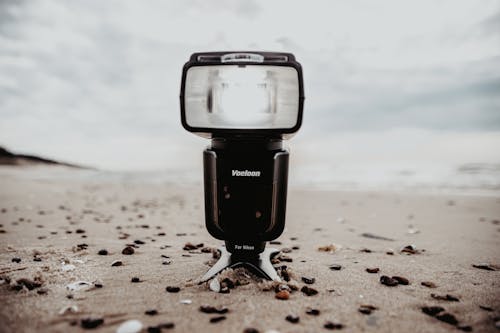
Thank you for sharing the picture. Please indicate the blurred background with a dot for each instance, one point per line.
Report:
(398, 93)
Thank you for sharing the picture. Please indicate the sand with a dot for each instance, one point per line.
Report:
(49, 217)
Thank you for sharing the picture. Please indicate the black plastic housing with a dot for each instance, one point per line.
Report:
(241, 208)
(270, 58)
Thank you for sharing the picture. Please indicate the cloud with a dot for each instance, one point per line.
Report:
(94, 74)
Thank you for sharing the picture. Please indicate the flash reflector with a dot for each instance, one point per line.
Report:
(245, 97)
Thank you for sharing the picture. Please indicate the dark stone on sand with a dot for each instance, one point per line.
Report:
(37, 259)
(116, 263)
(329, 325)
(388, 281)
(80, 231)
(213, 309)
(275, 242)
(308, 291)
(250, 330)
(312, 312)
(292, 319)
(227, 282)
(428, 284)
(486, 308)
(189, 247)
(484, 266)
(373, 270)
(367, 309)
(373, 236)
(16, 260)
(217, 319)
(401, 280)
(365, 250)
(308, 280)
(410, 249)
(151, 312)
(158, 328)
(128, 250)
(42, 291)
(91, 323)
(103, 252)
(335, 267)
(172, 289)
(432, 310)
(447, 318)
(135, 279)
(284, 258)
(447, 297)
(465, 328)
(224, 290)
(29, 284)
(139, 242)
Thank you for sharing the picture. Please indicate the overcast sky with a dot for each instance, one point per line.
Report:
(97, 82)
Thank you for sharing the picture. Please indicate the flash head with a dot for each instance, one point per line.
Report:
(247, 103)
(242, 93)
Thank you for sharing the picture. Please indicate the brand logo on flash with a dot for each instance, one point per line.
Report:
(245, 173)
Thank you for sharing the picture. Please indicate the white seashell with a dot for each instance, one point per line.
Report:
(67, 267)
(78, 285)
(68, 309)
(130, 326)
(215, 285)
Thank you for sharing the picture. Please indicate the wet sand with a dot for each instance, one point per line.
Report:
(52, 231)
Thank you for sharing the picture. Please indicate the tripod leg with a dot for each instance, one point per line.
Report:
(265, 264)
(221, 264)
(261, 265)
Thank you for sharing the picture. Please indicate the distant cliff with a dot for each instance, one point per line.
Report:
(9, 158)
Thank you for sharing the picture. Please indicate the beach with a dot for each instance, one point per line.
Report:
(437, 254)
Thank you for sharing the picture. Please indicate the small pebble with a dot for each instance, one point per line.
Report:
(90, 323)
(373, 270)
(428, 284)
(447, 318)
(135, 280)
(217, 319)
(214, 285)
(283, 295)
(16, 260)
(250, 330)
(335, 267)
(484, 266)
(333, 326)
(128, 250)
(116, 263)
(171, 289)
(432, 310)
(292, 319)
(308, 291)
(213, 309)
(388, 281)
(130, 326)
(158, 328)
(151, 312)
(486, 308)
(465, 328)
(307, 280)
(312, 312)
(401, 280)
(103, 252)
(327, 248)
(367, 309)
(446, 297)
